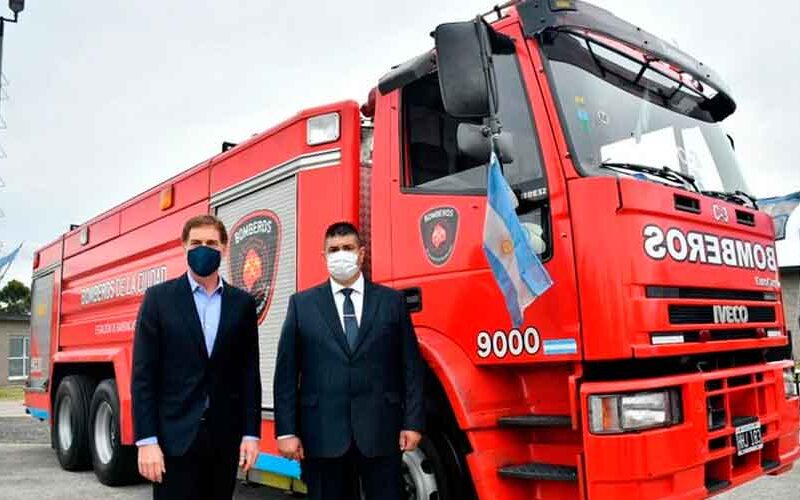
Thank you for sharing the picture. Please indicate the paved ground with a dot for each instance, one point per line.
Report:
(11, 409)
(23, 430)
(768, 488)
(30, 470)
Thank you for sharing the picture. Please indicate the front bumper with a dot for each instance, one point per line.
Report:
(698, 457)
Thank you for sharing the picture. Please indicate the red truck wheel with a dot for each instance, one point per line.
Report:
(435, 470)
(114, 464)
(71, 422)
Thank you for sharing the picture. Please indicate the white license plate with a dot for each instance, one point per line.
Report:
(748, 438)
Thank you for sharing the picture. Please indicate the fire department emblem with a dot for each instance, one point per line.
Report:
(439, 227)
(253, 257)
(720, 213)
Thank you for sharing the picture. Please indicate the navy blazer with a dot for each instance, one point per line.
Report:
(173, 376)
(330, 396)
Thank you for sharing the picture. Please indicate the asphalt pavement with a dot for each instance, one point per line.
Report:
(11, 409)
(29, 469)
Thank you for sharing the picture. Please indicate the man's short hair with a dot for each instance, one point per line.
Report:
(205, 220)
(343, 229)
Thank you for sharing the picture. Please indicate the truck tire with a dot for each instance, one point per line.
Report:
(70, 429)
(114, 464)
(435, 470)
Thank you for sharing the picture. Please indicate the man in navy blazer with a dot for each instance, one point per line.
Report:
(348, 379)
(196, 386)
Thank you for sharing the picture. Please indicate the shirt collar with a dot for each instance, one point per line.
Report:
(357, 287)
(194, 285)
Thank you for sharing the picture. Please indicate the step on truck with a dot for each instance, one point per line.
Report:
(650, 369)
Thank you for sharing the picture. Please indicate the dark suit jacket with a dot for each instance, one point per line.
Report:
(329, 396)
(173, 374)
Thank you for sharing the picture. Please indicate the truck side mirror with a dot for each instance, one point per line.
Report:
(463, 69)
(16, 6)
(475, 143)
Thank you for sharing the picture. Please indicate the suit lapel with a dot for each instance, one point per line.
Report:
(372, 300)
(189, 310)
(328, 309)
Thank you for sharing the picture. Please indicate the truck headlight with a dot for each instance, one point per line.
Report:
(617, 413)
(790, 383)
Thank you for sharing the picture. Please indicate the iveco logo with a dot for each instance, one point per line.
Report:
(730, 314)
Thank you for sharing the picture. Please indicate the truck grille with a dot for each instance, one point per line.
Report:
(686, 315)
(689, 336)
(732, 401)
(667, 292)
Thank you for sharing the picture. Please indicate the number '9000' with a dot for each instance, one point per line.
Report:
(514, 343)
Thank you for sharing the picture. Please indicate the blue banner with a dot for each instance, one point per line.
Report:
(780, 208)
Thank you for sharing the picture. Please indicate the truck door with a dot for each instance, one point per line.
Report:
(438, 209)
(41, 322)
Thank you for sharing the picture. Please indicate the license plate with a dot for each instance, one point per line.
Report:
(748, 438)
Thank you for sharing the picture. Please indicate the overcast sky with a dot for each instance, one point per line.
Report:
(108, 98)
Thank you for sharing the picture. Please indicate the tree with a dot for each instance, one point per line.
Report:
(15, 298)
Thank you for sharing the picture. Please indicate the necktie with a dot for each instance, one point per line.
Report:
(350, 322)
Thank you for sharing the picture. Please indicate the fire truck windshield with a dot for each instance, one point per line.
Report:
(620, 109)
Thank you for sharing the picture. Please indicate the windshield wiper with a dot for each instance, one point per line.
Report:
(664, 172)
(738, 197)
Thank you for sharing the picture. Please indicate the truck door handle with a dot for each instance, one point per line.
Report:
(413, 298)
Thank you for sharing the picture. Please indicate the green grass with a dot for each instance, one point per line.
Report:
(11, 393)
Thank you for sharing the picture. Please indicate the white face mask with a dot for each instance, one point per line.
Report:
(342, 265)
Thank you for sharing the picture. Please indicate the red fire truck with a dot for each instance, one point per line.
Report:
(652, 368)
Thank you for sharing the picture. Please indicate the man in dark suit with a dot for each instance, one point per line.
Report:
(348, 379)
(196, 385)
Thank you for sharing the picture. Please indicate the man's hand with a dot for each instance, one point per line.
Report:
(291, 447)
(151, 462)
(409, 440)
(248, 453)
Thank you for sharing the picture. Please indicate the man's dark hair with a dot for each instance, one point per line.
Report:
(205, 220)
(343, 229)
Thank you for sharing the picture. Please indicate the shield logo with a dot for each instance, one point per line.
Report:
(720, 213)
(439, 228)
(253, 257)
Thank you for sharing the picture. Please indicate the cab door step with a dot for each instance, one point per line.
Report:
(540, 472)
(535, 421)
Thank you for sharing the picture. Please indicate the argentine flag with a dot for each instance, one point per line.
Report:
(8, 259)
(516, 267)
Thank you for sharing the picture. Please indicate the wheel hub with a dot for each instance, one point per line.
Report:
(65, 423)
(419, 481)
(104, 434)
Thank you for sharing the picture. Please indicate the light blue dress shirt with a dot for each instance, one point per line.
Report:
(209, 310)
